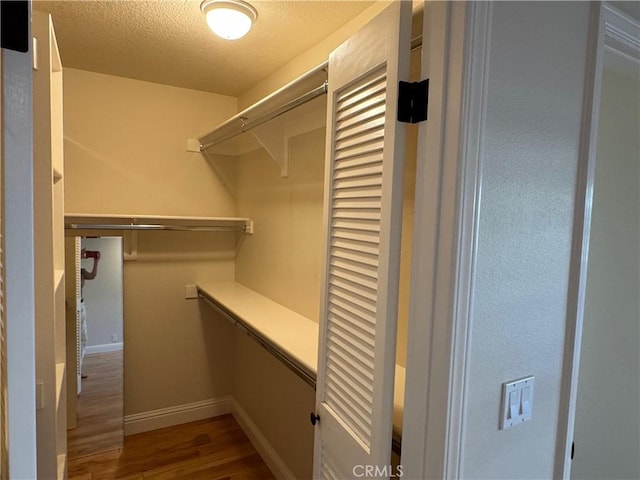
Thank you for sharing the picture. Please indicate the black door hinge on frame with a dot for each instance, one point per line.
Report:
(14, 16)
(413, 101)
(573, 449)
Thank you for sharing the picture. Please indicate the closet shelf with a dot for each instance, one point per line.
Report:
(286, 113)
(289, 336)
(155, 222)
(292, 95)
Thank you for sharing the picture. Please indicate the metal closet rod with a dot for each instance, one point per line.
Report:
(174, 228)
(247, 124)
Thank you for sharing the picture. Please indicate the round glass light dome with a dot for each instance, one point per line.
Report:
(229, 19)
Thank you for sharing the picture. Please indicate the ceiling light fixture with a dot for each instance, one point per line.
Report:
(229, 19)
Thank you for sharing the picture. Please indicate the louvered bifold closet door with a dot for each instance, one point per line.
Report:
(363, 213)
(77, 263)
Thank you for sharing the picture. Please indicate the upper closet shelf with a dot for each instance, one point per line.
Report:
(157, 222)
(296, 108)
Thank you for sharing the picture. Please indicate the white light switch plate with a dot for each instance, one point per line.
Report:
(517, 402)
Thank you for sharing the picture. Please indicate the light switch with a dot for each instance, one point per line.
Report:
(525, 402)
(517, 402)
(514, 404)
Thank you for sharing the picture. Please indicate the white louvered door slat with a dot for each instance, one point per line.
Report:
(363, 195)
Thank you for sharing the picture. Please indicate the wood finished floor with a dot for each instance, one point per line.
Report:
(99, 424)
(213, 449)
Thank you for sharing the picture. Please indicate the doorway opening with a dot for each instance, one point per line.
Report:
(96, 397)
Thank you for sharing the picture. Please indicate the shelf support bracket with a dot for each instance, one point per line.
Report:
(130, 241)
(273, 138)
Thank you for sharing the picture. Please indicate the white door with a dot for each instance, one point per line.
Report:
(363, 191)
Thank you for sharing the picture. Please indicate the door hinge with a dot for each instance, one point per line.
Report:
(573, 449)
(413, 101)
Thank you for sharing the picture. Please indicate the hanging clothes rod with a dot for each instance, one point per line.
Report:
(302, 90)
(156, 223)
(248, 124)
(174, 228)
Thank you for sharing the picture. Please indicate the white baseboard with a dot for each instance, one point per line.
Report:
(168, 417)
(262, 445)
(104, 348)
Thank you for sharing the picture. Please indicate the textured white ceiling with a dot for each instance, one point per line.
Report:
(168, 41)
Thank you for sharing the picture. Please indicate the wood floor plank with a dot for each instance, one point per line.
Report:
(207, 469)
(84, 476)
(99, 425)
(211, 449)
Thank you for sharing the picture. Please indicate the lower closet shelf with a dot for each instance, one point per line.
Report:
(289, 336)
(286, 334)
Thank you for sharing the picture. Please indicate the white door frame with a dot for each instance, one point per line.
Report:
(17, 188)
(456, 61)
(612, 31)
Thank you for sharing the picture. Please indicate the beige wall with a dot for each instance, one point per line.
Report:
(281, 260)
(125, 147)
(177, 350)
(278, 402)
(125, 152)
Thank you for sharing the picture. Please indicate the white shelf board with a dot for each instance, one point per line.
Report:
(296, 335)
